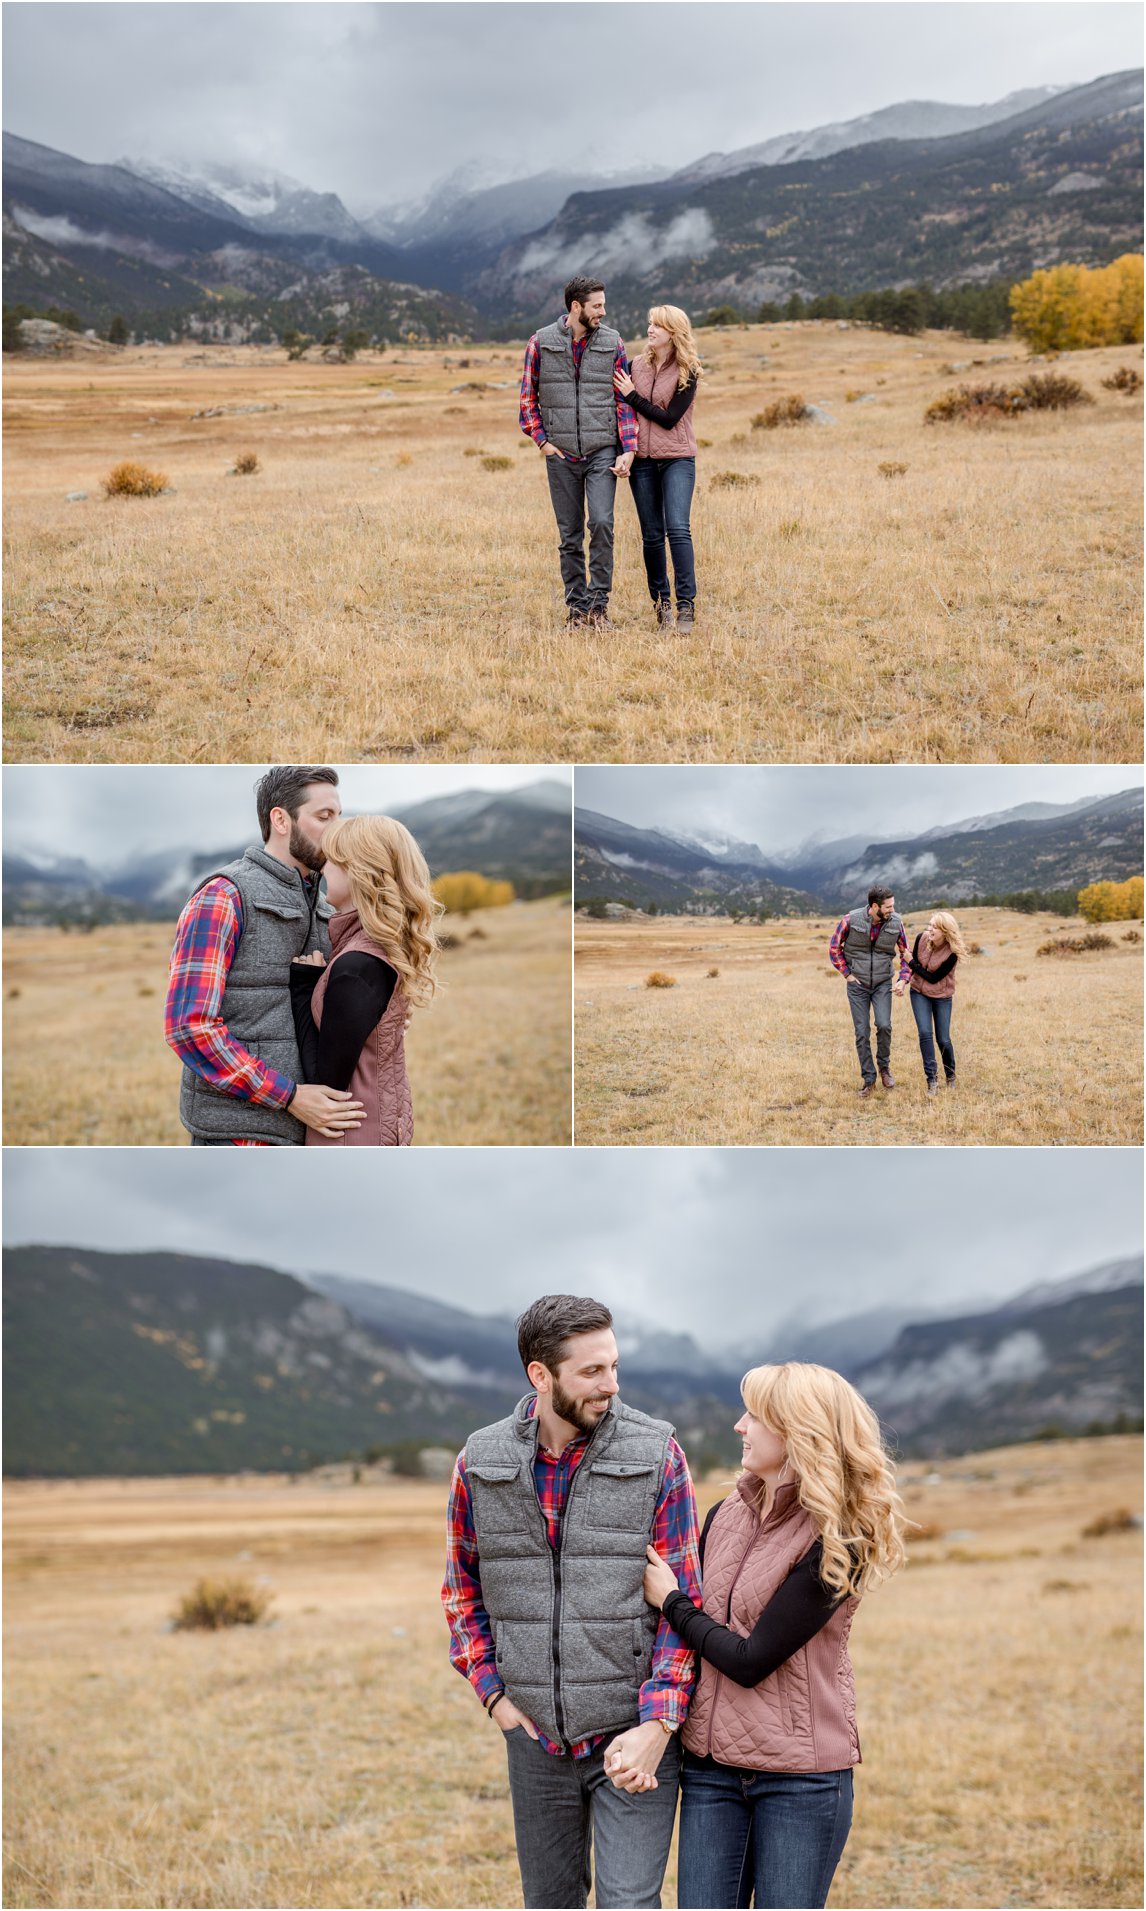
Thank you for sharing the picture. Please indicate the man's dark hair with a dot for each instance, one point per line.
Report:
(285, 788)
(581, 289)
(879, 892)
(545, 1329)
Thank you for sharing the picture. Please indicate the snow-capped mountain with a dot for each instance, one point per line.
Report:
(264, 200)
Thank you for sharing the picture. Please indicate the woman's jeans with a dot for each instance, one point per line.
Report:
(662, 492)
(929, 1010)
(778, 1835)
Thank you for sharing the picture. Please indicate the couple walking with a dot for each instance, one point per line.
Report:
(294, 972)
(866, 947)
(596, 418)
(624, 1658)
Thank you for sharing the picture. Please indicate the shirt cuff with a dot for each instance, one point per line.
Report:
(670, 1704)
(275, 1091)
(486, 1682)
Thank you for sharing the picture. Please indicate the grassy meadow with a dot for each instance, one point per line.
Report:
(488, 1061)
(333, 1758)
(379, 591)
(1048, 1049)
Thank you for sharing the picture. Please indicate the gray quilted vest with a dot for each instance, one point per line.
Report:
(279, 923)
(578, 408)
(573, 1634)
(872, 962)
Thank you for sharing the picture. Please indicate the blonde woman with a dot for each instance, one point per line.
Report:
(660, 388)
(351, 1014)
(937, 950)
(770, 1739)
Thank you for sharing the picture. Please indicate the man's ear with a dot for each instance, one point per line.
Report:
(539, 1376)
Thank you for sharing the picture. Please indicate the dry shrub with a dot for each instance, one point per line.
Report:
(446, 940)
(1121, 1520)
(732, 480)
(891, 468)
(657, 979)
(404, 459)
(712, 973)
(975, 948)
(1052, 391)
(972, 402)
(473, 451)
(478, 934)
(497, 464)
(246, 464)
(791, 410)
(789, 528)
(131, 480)
(1076, 945)
(1125, 379)
(1132, 935)
(925, 1529)
(214, 1603)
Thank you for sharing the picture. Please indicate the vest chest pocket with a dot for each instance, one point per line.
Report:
(621, 1494)
(495, 1496)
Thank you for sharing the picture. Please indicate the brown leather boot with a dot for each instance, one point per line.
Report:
(867, 1089)
(685, 617)
(885, 1077)
(664, 614)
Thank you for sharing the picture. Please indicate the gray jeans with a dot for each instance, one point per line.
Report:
(861, 1002)
(587, 486)
(565, 1807)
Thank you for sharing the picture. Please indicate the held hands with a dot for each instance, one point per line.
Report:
(622, 383)
(898, 988)
(631, 1760)
(623, 465)
(505, 1713)
(329, 1111)
(315, 960)
(660, 1580)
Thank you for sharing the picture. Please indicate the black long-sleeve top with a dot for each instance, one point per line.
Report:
(356, 999)
(666, 415)
(797, 1610)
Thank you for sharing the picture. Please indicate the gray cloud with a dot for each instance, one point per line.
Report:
(634, 244)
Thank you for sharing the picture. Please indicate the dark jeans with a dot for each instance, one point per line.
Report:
(662, 492)
(862, 1002)
(773, 1838)
(209, 1141)
(562, 1807)
(933, 1020)
(586, 486)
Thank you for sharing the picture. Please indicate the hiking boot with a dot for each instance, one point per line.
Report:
(932, 1086)
(600, 619)
(886, 1078)
(686, 617)
(577, 619)
(867, 1089)
(950, 1081)
(664, 615)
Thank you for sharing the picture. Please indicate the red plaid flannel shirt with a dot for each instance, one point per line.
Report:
(529, 413)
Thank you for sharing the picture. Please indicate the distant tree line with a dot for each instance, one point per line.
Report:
(979, 311)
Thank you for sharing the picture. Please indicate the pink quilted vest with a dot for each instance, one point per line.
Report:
(380, 1081)
(802, 1718)
(659, 387)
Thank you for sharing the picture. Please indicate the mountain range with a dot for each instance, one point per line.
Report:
(1035, 846)
(151, 1363)
(518, 835)
(916, 190)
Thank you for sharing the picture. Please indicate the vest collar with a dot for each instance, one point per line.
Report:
(285, 873)
(341, 926)
(783, 1500)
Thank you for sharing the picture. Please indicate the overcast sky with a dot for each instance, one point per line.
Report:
(377, 102)
(107, 814)
(779, 809)
(706, 1239)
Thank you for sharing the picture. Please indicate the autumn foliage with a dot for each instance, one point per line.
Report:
(1112, 902)
(461, 890)
(1068, 307)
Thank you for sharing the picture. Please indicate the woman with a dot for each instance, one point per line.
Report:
(937, 950)
(770, 1739)
(660, 389)
(351, 1014)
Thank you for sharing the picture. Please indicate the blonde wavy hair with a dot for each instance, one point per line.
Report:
(843, 1476)
(950, 931)
(676, 323)
(390, 885)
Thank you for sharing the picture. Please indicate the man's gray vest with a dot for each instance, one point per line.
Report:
(572, 1631)
(872, 962)
(578, 409)
(279, 923)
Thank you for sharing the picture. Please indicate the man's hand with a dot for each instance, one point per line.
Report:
(854, 982)
(505, 1713)
(315, 960)
(898, 988)
(549, 450)
(632, 1759)
(329, 1111)
(623, 465)
(660, 1580)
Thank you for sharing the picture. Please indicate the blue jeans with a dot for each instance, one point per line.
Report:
(565, 1809)
(769, 1838)
(930, 1010)
(662, 492)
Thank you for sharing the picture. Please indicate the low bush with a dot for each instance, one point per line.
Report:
(214, 1603)
(972, 402)
(1125, 379)
(1076, 945)
(496, 464)
(1052, 391)
(1121, 1520)
(732, 480)
(131, 480)
(791, 410)
(891, 468)
(247, 463)
(712, 973)
(1132, 935)
(659, 980)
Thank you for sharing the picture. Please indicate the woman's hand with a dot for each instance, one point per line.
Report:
(315, 960)
(622, 382)
(660, 1580)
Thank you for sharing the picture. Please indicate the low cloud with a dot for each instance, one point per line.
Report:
(59, 230)
(960, 1371)
(896, 869)
(634, 244)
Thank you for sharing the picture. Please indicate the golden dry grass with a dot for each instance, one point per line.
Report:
(1048, 1049)
(489, 1061)
(374, 593)
(334, 1759)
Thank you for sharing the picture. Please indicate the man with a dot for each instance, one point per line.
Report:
(228, 1014)
(587, 436)
(551, 1510)
(864, 948)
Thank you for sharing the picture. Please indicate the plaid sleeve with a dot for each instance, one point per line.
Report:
(471, 1635)
(205, 942)
(626, 416)
(836, 947)
(666, 1692)
(529, 412)
(904, 961)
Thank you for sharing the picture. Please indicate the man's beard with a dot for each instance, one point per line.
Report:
(304, 851)
(589, 324)
(575, 1413)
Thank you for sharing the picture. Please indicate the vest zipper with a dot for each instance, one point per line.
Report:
(577, 392)
(555, 1629)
